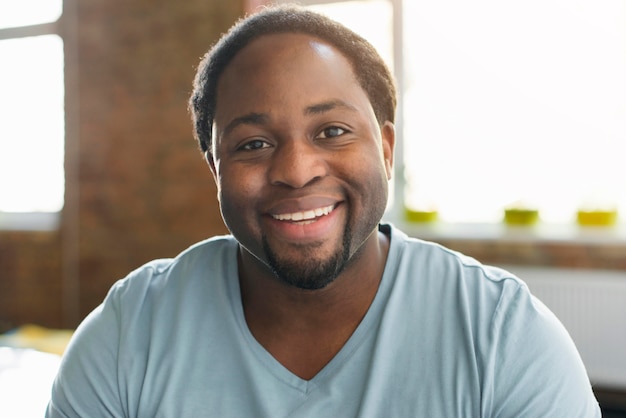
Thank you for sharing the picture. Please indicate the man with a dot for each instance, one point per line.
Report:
(312, 308)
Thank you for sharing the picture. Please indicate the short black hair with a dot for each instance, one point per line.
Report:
(369, 68)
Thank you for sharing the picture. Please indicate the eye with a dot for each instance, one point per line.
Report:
(255, 144)
(331, 132)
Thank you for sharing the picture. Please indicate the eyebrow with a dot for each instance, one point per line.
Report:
(254, 118)
(326, 106)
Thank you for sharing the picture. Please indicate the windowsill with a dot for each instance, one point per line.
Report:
(29, 221)
(542, 245)
(540, 233)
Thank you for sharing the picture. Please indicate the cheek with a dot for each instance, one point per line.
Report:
(379, 181)
(370, 165)
(235, 209)
(368, 177)
(237, 190)
(229, 178)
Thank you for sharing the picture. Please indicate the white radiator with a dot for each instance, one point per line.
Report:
(591, 304)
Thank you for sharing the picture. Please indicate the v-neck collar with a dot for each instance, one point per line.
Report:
(370, 320)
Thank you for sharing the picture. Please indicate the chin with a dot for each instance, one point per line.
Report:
(309, 273)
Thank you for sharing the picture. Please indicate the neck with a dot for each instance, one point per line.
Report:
(287, 320)
(353, 290)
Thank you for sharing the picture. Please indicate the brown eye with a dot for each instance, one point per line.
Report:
(253, 145)
(331, 132)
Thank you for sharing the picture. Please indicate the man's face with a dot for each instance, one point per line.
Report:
(300, 162)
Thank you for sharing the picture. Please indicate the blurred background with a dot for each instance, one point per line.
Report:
(520, 109)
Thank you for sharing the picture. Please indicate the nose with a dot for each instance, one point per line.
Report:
(297, 163)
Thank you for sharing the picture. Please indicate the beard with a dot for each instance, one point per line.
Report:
(310, 273)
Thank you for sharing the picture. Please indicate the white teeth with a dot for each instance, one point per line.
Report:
(304, 216)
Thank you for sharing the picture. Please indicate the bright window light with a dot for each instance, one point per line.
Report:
(14, 13)
(372, 19)
(515, 102)
(32, 124)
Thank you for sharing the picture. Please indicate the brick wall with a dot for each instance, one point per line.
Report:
(137, 186)
(144, 189)
(609, 256)
(30, 278)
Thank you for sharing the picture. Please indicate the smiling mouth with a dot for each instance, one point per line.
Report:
(306, 216)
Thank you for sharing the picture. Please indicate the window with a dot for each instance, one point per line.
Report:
(515, 102)
(31, 107)
(504, 103)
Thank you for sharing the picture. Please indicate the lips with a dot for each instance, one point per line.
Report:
(306, 215)
(302, 219)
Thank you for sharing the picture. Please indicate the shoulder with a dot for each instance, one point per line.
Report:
(441, 266)
(529, 365)
(212, 250)
(495, 304)
(163, 289)
(430, 280)
(136, 319)
(209, 256)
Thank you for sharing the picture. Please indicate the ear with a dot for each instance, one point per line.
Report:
(388, 135)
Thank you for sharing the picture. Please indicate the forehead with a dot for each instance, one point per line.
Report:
(280, 47)
(287, 57)
(285, 67)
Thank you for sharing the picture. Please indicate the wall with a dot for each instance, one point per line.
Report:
(137, 186)
(30, 278)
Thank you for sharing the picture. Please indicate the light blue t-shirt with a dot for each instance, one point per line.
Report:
(444, 337)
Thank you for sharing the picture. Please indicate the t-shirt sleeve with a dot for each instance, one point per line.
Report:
(86, 384)
(537, 371)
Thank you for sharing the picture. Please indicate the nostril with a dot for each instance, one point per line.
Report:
(296, 167)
